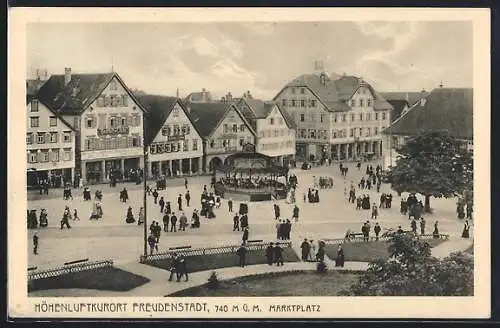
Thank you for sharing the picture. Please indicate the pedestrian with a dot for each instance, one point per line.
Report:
(75, 215)
(376, 229)
(181, 268)
(465, 233)
(182, 222)
(374, 212)
(230, 205)
(270, 254)
(296, 213)
(35, 244)
(320, 255)
(400, 230)
(435, 233)
(186, 183)
(469, 211)
(242, 252)
(179, 202)
(188, 198)
(173, 223)
(141, 219)
(422, 226)
(276, 211)
(414, 226)
(244, 238)
(166, 220)
(305, 247)
(152, 243)
(278, 255)
(155, 196)
(65, 219)
(312, 251)
(236, 222)
(339, 261)
(173, 266)
(162, 204)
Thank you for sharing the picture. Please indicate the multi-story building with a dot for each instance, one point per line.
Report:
(443, 109)
(274, 128)
(50, 145)
(175, 145)
(108, 120)
(339, 118)
(223, 128)
(402, 101)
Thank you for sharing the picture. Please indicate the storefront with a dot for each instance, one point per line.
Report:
(56, 178)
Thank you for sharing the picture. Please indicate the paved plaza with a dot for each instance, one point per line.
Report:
(112, 238)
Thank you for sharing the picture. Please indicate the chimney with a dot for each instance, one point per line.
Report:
(229, 97)
(441, 84)
(38, 75)
(177, 93)
(67, 75)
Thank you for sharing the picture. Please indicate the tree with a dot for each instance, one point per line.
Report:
(432, 164)
(411, 271)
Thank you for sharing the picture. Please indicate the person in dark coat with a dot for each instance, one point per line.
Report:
(244, 238)
(465, 232)
(186, 183)
(414, 226)
(168, 208)
(162, 204)
(288, 229)
(276, 211)
(242, 253)
(130, 216)
(376, 229)
(305, 247)
(166, 220)
(320, 255)
(35, 244)
(243, 221)
(469, 211)
(173, 223)
(230, 205)
(270, 254)
(422, 226)
(181, 269)
(382, 201)
(152, 243)
(188, 198)
(339, 261)
(278, 255)
(155, 196)
(179, 202)
(65, 219)
(435, 233)
(236, 223)
(173, 266)
(296, 213)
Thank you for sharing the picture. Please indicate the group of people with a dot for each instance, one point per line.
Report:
(464, 210)
(283, 229)
(34, 222)
(412, 207)
(323, 182)
(312, 195)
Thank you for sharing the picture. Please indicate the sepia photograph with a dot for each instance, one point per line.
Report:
(239, 159)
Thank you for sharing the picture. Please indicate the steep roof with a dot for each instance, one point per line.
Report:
(398, 107)
(158, 108)
(30, 98)
(443, 109)
(335, 92)
(410, 96)
(259, 109)
(62, 98)
(33, 85)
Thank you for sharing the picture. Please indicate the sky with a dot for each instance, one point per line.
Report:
(160, 58)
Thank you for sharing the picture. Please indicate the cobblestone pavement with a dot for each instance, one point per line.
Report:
(112, 238)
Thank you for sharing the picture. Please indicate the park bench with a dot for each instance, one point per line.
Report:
(68, 268)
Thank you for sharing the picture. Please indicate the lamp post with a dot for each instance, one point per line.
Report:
(145, 177)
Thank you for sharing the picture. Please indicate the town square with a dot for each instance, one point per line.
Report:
(235, 174)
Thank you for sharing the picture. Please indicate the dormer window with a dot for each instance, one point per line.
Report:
(113, 85)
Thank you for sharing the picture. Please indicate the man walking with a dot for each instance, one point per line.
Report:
(296, 213)
(376, 229)
(181, 268)
(278, 255)
(155, 196)
(173, 223)
(166, 220)
(174, 265)
(230, 205)
(270, 254)
(35, 244)
(179, 202)
(186, 183)
(152, 243)
(305, 247)
(242, 253)
(188, 198)
(162, 204)
(245, 235)
(236, 223)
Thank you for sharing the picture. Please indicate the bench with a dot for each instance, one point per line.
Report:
(68, 268)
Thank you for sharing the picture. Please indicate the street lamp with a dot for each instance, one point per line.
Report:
(145, 177)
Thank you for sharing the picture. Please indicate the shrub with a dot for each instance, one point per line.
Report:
(213, 281)
(321, 267)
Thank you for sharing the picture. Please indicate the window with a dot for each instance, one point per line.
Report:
(376, 116)
(67, 136)
(343, 117)
(125, 100)
(89, 123)
(106, 101)
(135, 142)
(352, 133)
(312, 134)
(302, 90)
(313, 103)
(360, 132)
(242, 127)
(368, 132)
(303, 133)
(29, 138)
(376, 131)
(335, 118)
(212, 144)
(271, 121)
(54, 154)
(302, 118)
(76, 122)
(353, 103)
(175, 112)
(40, 138)
(123, 121)
(283, 102)
(100, 101)
(226, 128)
(35, 122)
(242, 141)
(235, 128)
(321, 117)
(368, 116)
(368, 102)
(53, 137)
(44, 155)
(302, 103)
(361, 116)
(113, 85)
(361, 103)
(32, 156)
(383, 116)
(195, 144)
(53, 121)
(177, 131)
(281, 121)
(185, 145)
(293, 102)
(293, 90)
(34, 105)
(353, 117)
(67, 154)
(137, 120)
(112, 122)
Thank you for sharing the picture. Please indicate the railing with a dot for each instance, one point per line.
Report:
(69, 267)
(356, 239)
(188, 251)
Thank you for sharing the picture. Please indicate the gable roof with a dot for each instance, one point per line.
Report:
(335, 93)
(30, 98)
(398, 107)
(201, 96)
(410, 96)
(158, 109)
(33, 85)
(207, 116)
(61, 98)
(444, 109)
(259, 109)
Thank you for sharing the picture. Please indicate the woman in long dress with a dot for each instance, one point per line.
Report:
(465, 233)
(339, 261)
(312, 250)
(141, 216)
(435, 233)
